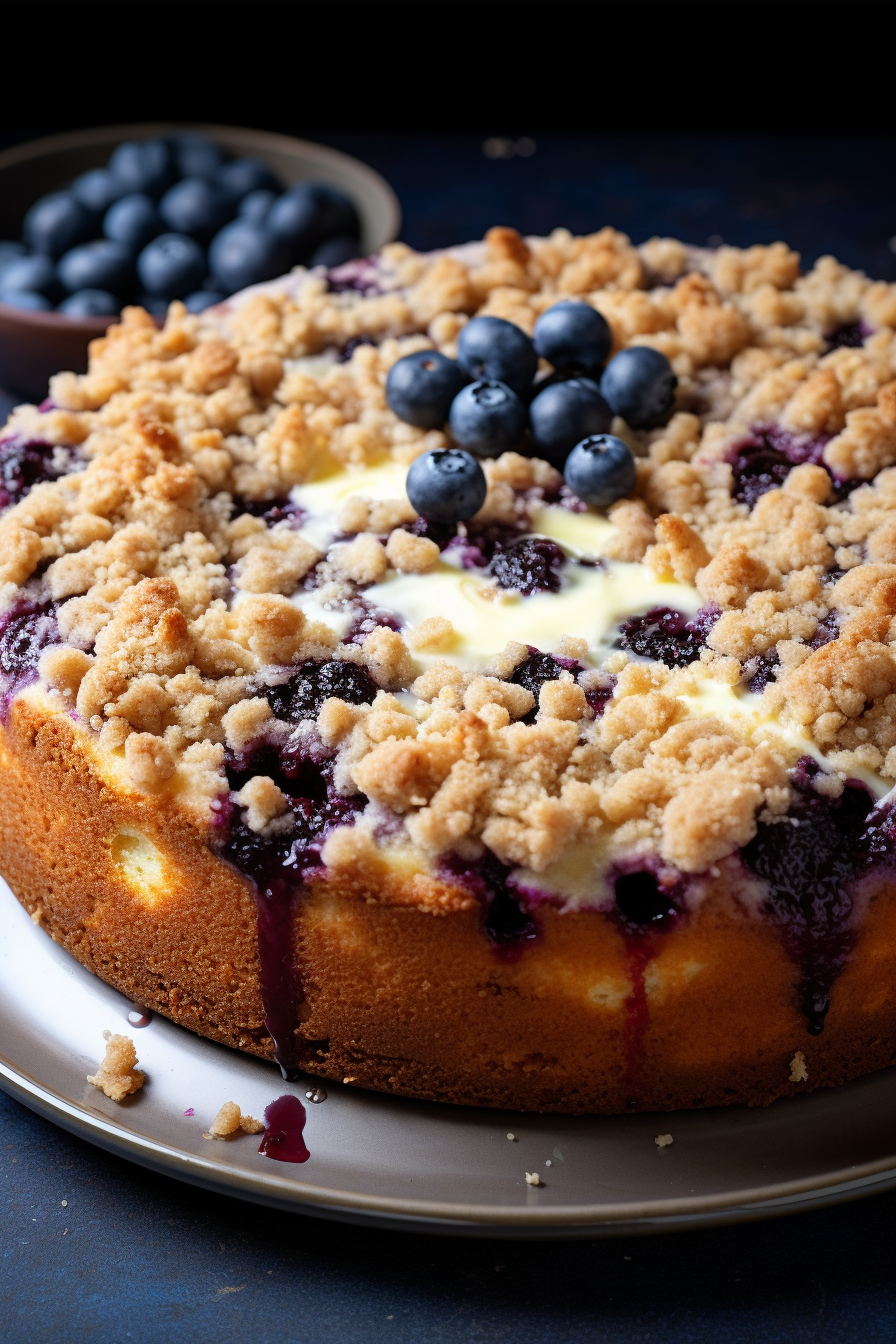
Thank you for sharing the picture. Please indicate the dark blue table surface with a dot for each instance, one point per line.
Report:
(132, 1256)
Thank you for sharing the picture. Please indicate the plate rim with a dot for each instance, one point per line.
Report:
(583, 1220)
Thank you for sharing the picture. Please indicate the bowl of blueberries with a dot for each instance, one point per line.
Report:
(91, 221)
(553, 395)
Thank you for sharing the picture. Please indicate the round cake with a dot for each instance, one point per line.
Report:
(559, 783)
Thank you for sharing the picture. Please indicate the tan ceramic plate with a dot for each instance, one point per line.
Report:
(396, 1163)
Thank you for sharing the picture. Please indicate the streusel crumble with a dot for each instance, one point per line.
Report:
(637, 760)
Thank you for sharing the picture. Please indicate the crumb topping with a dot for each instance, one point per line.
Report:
(185, 579)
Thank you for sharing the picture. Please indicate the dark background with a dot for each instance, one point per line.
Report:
(135, 1257)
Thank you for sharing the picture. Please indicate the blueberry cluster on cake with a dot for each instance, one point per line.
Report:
(472, 675)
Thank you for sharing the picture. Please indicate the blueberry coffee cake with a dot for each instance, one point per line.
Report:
(472, 675)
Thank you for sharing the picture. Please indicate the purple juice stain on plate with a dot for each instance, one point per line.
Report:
(284, 1123)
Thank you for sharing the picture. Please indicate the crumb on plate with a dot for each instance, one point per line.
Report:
(230, 1121)
(798, 1071)
(117, 1077)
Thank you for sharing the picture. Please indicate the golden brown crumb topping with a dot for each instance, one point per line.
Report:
(173, 559)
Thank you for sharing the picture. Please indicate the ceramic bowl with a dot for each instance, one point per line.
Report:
(33, 346)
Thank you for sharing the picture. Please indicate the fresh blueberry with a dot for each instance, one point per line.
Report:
(237, 178)
(487, 418)
(171, 265)
(573, 335)
(421, 387)
(55, 223)
(564, 414)
(9, 252)
(308, 214)
(31, 275)
(446, 485)
(245, 254)
(639, 385)
(489, 347)
(335, 252)
(143, 165)
(23, 298)
(194, 206)
(96, 190)
(254, 208)
(134, 221)
(90, 303)
(154, 305)
(103, 264)
(195, 155)
(202, 299)
(600, 470)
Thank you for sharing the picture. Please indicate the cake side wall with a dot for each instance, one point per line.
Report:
(414, 1000)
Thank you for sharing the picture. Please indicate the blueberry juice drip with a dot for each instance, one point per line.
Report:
(26, 629)
(811, 863)
(648, 903)
(279, 866)
(280, 863)
(507, 922)
(284, 1125)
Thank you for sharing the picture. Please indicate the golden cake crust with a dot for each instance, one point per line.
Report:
(410, 998)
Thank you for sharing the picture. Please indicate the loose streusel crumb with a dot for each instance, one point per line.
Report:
(117, 1077)
(533, 1178)
(230, 1121)
(663, 1140)
(798, 1071)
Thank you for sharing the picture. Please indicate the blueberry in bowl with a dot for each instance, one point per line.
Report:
(195, 206)
(34, 275)
(133, 220)
(143, 165)
(102, 264)
(309, 214)
(97, 189)
(200, 299)
(256, 206)
(237, 178)
(195, 155)
(89, 303)
(27, 300)
(171, 264)
(56, 223)
(244, 254)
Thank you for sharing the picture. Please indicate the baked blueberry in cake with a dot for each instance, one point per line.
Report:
(472, 675)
